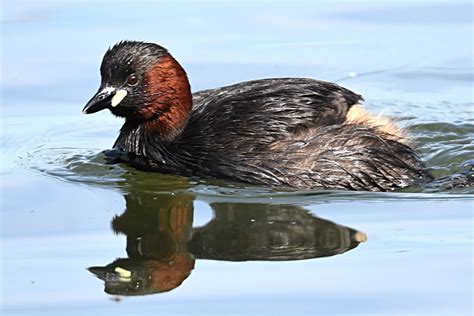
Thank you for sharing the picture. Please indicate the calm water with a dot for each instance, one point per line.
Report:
(80, 237)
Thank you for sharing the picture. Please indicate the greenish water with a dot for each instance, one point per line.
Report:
(200, 246)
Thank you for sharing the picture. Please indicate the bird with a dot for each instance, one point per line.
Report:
(289, 132)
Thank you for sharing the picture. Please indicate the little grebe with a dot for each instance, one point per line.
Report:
(294, 132)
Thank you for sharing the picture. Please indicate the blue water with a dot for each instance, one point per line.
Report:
(398, 253)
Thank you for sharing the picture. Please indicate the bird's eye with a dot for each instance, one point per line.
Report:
(132, 80)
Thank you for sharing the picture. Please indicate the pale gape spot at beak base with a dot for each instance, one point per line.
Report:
(124, 275)
(118, 97)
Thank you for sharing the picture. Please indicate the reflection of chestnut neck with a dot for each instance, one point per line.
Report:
(170, 98)
(166, 276)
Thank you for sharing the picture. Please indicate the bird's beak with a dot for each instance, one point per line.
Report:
(118, 274)
(106, 97)
(101, 100)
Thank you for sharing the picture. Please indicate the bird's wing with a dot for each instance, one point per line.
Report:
(272, 108)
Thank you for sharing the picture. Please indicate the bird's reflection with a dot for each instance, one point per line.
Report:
(158, 229)
(240, 232)
(162, 245)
